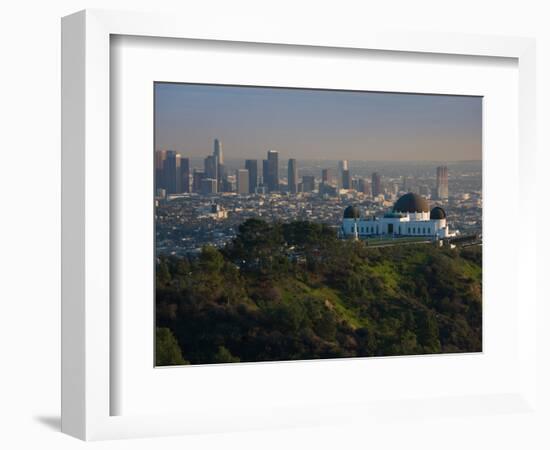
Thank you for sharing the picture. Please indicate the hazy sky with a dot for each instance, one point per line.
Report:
(316, 124)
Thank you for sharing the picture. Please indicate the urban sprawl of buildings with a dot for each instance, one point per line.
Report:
(203, 202)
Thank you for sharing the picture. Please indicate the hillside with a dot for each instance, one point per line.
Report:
(295, 291)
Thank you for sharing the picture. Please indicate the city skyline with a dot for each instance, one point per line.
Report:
(314, 124)
(173, 175)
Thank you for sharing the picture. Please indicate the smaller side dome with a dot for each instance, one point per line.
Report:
(437, 213)
(351, 212)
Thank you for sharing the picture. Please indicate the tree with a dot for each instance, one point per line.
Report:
(210, 260)
(168, 352)
(163, 273)
(258, 245)
(428, 331)
(223, 355)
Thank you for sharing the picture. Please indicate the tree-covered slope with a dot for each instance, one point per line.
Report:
(295, 291)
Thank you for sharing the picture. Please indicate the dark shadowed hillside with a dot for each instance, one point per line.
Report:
(295, 291)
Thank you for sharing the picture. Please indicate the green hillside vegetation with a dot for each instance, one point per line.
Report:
(294, 291)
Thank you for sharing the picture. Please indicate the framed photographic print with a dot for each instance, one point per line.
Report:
(271, 229)
(307, 257)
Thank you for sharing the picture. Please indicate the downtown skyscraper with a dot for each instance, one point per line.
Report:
(442, 183)
(211, 167)
(376, 184)
(327, 177)
(242, 181)
(292, 176)
(363, 186)
(198, 176)
(220, 169)
(342, 165)
(265, 172)
(346, 179)
(218, 151)
(308, 183)
(160, 159)
(252, 166)
(272, 171)
(172, 174)
(185, 177)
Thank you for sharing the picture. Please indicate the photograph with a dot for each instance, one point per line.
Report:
(298, 223)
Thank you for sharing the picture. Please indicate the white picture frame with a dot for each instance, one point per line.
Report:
(87, 384)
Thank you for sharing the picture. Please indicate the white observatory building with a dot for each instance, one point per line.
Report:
(410, 216)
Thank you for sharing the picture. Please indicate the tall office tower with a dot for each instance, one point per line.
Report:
(273, 170)
(342, 165)
(252, 166)
(211, 167)
(198, 176)
(376, 184)
(308, 183)
(242, 181)
(327, 176)
(160, 158)
(292, 176)
(363, 186)
(346, 179)
(184, 174)
(442, 183)
(265, 172)
(209, 186)
(218, 151)
(172, 172)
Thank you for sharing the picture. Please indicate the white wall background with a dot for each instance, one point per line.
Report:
(30, 198)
